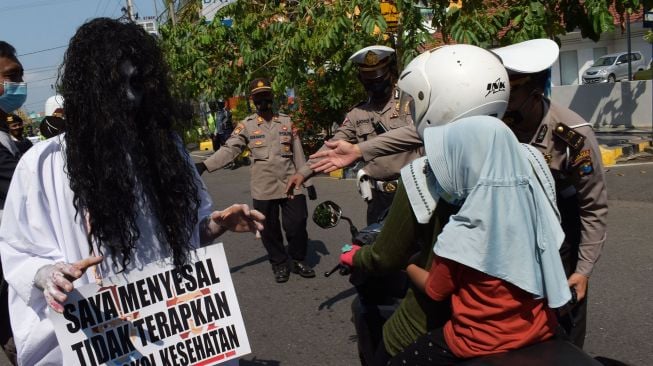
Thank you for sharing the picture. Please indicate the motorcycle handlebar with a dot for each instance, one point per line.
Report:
(342, 269)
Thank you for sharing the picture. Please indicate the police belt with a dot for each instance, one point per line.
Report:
(388, 186)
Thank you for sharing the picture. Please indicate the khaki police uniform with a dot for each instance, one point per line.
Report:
(276, 151)
(366, 122)
(572, 152)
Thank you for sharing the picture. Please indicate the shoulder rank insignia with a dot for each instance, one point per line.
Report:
(238, 129)
(572, 138)
(541, 134)
(259, 120)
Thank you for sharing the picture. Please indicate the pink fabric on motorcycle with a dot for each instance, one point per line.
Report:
(347, 258)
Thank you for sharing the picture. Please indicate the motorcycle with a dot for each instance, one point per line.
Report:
(378, 297)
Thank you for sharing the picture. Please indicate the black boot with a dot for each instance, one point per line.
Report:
(302, 269)
(281, 272)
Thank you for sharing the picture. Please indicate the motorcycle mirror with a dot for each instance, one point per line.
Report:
(327, 214)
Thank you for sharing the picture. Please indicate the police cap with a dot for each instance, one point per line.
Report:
(528, 57)
(260, 85)
(373, 58)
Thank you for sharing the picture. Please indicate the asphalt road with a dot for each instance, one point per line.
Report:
(307, 321)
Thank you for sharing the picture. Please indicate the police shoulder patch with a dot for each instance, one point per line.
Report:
(238, 129)
(583, 162)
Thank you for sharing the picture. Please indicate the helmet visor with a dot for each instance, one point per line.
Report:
(407, 104)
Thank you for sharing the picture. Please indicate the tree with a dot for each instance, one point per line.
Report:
(302, 44)
(305, 44)
(493, 22)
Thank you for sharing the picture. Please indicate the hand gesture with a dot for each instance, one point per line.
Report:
(56, 280)
(342, 154)
(239, 218)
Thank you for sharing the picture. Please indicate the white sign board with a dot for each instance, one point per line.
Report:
(157, 316)
(210, 7)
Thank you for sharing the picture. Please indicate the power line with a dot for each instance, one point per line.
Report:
(36, 81)
(41, 69)
(39, 51)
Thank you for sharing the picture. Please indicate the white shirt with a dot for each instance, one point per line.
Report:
(40, 226)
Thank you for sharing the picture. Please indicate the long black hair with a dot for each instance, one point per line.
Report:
(121, 151)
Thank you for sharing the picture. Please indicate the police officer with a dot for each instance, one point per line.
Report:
(276, 151)
(377, 71)
(569, 146)
(571, 150)
(223, 126)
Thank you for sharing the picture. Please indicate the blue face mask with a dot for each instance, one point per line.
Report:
(13, 97)
(450, 198)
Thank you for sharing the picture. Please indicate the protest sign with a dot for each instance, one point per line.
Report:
(159, 315)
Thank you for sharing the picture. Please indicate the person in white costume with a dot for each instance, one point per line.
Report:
(113, 193)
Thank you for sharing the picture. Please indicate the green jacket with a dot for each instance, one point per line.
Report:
(417, 313)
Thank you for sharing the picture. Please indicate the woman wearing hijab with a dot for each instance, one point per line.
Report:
(497, 258)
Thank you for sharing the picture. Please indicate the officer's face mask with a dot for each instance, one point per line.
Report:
(263, 104)
(378, 88)
(13, 97)
(515, 116)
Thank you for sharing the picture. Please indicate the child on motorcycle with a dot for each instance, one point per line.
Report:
(497, 258)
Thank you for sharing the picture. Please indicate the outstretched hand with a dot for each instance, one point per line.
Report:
(57, 279)
(340, 155)
(239, 218)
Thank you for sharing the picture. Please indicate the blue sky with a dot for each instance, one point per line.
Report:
(32, 26)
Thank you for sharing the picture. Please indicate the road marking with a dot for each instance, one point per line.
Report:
(630, 164)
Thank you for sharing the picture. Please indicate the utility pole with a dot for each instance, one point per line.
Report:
(630, 66)
(171, 12)
(130, 10)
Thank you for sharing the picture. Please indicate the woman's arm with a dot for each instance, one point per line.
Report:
(397, 241)
(418, 275)
(237, 218)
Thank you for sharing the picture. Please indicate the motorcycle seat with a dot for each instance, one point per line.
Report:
(552, 352)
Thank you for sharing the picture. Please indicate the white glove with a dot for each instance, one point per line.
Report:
(56, 279)
(364, 185)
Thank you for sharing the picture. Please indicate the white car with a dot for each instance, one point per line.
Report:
(613, 67)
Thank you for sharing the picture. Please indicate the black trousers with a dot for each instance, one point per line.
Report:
(293, 216)
(429, 349)
(379, 203)
(575, 321)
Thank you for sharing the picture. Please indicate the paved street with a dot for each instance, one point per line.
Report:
(307, 321)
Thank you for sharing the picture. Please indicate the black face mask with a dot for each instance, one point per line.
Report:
(263, 105)
(378, 90)
(515, 117)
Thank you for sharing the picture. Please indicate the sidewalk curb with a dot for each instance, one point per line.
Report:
(610, 154)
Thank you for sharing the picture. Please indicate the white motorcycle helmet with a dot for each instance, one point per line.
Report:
(451, 82)
(53, 105)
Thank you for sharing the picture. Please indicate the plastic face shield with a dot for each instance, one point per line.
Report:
(407, 104)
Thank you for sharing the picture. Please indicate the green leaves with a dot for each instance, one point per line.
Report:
(305, 44)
